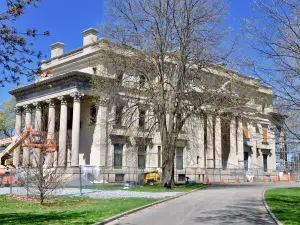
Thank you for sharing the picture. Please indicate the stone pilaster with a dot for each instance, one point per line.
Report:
(99, 146)
(26, 150)
(62, 152)
(240, 142)
(18, 124)
(218, 142)
(210, 145)
(75, 129)
(233, 143)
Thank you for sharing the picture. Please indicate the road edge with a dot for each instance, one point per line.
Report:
(269, 210)
(118, 216)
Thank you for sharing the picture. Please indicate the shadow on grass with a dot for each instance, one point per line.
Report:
(41, 218)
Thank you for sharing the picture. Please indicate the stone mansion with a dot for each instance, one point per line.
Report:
(61, 101)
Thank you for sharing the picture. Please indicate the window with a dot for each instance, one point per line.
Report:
(119, 77)
(198, 157)
(142, 81)
(159, 156)
(118, 156)
(119, 177)
(257, 129)
(245, 130)
(265, 158)
(93, 114)
(263, 106)
(142, 116)
(119, 112)
(95, 70)
(142, 157)
(246, 157)
(265, 133)
(181, 177)
(179, 158)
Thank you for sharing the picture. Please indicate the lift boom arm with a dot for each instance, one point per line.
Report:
(9, 149)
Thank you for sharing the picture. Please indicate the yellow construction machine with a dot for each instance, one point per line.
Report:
(151, 178)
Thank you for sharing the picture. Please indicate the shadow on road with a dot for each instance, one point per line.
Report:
(248, 211)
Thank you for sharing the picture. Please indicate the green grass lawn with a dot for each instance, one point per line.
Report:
(147, 188)
(71, 210)
(285, 204)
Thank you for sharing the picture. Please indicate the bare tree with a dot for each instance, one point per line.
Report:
(42, 180)
(274, 35)
(42, 177)
(163, 55)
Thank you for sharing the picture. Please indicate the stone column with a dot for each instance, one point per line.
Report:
(210, 145)
(75, 130)
(99, 150)
(26, 150)
(37, 127)
(51, 131)
(18, 124)
(62, 151)
(240, 142)
(218, 142)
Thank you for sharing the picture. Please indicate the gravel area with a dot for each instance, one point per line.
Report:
(131, 194)
(96, 193)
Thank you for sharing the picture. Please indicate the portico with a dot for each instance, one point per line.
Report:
(51, 116)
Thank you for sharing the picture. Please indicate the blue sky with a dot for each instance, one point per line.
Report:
(66, 19)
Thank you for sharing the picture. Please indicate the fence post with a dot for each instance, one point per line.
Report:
(10, 181)
(27, 187)
(80, 181)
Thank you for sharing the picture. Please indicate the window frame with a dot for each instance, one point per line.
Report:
(118, 152)
(142, 149)
(179, 158)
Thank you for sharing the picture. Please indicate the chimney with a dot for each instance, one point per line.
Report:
(57, 49)
(90, 36)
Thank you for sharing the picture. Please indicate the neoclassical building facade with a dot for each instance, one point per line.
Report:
(61, 102)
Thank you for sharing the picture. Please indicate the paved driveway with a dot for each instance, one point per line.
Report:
(219, 204)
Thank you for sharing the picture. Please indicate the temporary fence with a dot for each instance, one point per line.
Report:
(86, 179)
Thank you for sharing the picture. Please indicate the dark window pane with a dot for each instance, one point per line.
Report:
(159, 155)
(142, 115)
(119, 77)
(181, 177)
(93, 114)
(265, 162)
(118, 156)
(142, 157)
(119, 112)
(142, 81)
(119, 177)
(179, 158)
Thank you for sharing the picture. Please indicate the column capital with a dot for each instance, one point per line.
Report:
(38, 105)
(51, 102)
(18, 110)
(28, 108)
(104, 101)
(77, 96)
(63, 100)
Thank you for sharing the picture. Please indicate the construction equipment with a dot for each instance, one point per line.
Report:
(151, 177)
(29, 138)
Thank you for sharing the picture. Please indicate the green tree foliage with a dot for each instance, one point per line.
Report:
(7, 118)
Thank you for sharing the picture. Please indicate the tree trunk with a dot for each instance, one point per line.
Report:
(42, 198)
